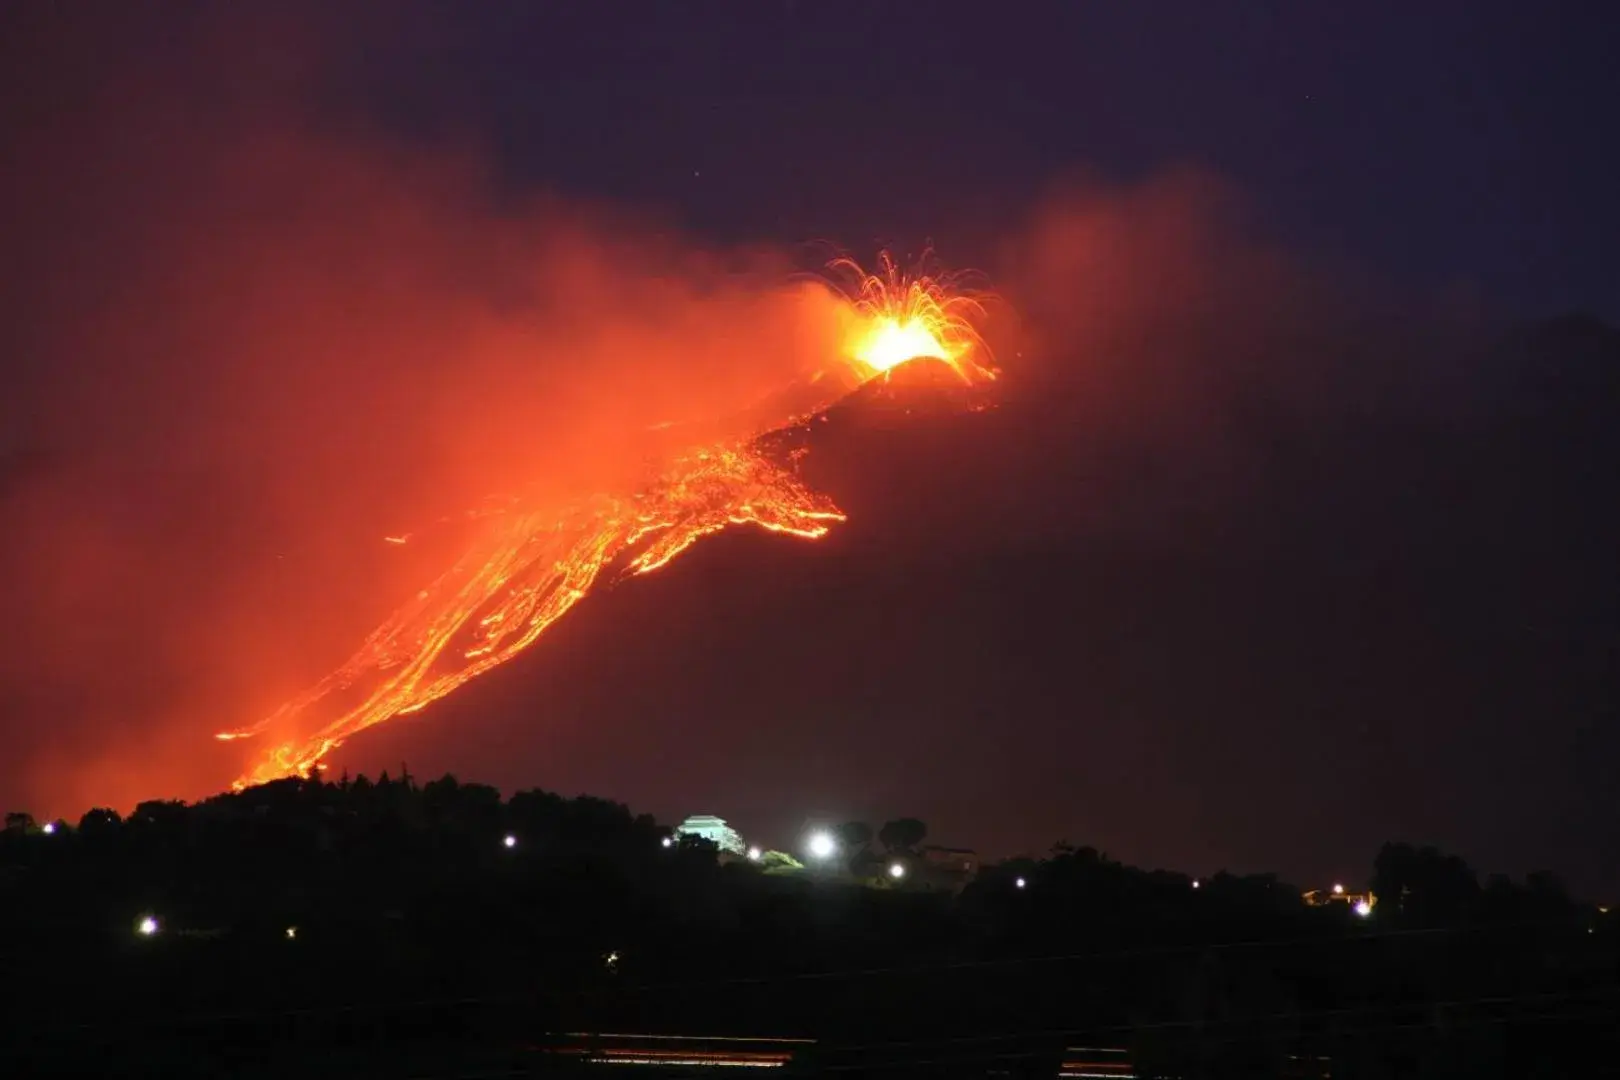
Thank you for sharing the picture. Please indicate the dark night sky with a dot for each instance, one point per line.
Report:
(1269, 556)
(1451, 142)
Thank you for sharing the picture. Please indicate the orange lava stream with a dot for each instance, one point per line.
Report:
(528, 568)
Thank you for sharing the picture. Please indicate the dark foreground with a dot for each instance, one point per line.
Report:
(388, 929)
(1510, 1040)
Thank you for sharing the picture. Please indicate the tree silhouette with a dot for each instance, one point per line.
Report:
(854, 834)
(161, 814)
(100, 822)
(439, 797)
(405, 893)
(855, 847)
(902, 836)
(1423, 886)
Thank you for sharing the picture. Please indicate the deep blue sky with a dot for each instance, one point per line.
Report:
(1442, 142)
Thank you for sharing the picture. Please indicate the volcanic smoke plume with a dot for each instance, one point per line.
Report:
(530, 562)
(245, 351)
(244, 354)
(274, 382)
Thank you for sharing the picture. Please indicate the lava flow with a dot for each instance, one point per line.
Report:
(528, 567)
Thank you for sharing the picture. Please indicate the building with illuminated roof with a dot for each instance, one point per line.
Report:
(714, 830)
(1362, 903)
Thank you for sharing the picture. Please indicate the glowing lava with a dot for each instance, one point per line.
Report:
(528, 567)
(900, 317)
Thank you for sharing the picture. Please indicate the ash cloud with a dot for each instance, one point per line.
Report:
(1163, 302)
(1163, 357)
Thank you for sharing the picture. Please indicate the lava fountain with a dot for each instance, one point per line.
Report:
(899, 317)
(528, 566)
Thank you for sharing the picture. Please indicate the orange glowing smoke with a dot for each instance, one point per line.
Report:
(530, 566)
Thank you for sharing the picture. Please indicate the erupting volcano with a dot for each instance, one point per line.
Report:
(529, 565)
(904, 317)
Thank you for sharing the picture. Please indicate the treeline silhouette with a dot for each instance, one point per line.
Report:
(398, 928)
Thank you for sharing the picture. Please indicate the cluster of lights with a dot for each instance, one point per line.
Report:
(148, 926)
(821, 846)
(1362, 907)
(754, 852)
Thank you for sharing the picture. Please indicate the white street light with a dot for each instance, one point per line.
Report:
(897, 871)
(668, 841)
(147, 926)
(1338, 890)
(822, 845)
(1363, 909)
(754, 854)
(510, 841)
(49, 828)
(1197, 884)
(1019, 884)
